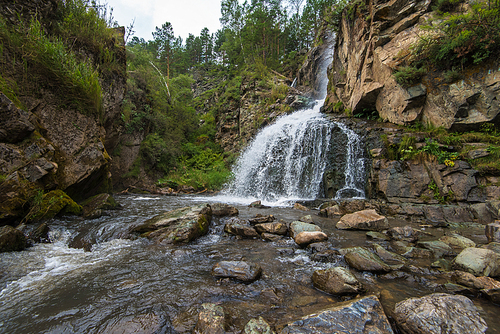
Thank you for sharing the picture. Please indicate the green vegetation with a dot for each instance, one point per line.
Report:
(46, 206)
(40, 56)
(408, 76)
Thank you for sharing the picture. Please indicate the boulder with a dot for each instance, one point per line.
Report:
(377, 236)
(280, 228)
(363, 220)
(257, 326)
(492, 231)
(53, 203)
(271, 237)
(41, 233)
(307, 219)
(362, 259)
(439, 313)
(223, 210)
(458, 241)
(11, 239)
(331, 211)
(336, 281)
(240, 270)
(494, 246)
(210, 320)
(260, 219)
(298, 206)
(305, 238)
(296, 227)
(478, 261)
(177, 226)
(238, 227)
(361, 315)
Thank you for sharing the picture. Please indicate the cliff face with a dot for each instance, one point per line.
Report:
(45, 145)
(370, 43)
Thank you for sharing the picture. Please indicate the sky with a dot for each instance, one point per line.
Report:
(186, 16)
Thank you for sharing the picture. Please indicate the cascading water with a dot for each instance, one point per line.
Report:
(287, 160)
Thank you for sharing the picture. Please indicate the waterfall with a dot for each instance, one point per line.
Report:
(302, 156)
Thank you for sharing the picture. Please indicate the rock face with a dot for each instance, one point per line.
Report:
(210, 320)
(93, 207)
(437, 312)
(240, 270)
(177, 226)
(478, 261)
(363, 220)
(336, 281)
(11, 239)
(367, 53)
(362, 315)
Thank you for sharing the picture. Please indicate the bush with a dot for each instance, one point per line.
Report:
(409, 75)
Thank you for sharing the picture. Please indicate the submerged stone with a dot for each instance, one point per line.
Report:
(240, 270)
(336, 281)
(177, 226)
(361, 315)
(257, 326)
(210, 320)
(92, 207)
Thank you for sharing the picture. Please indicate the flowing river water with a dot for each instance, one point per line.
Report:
(123, 282)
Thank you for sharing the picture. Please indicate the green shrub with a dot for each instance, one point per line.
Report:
(409, 75)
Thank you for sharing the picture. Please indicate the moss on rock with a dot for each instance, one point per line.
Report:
(53, 203)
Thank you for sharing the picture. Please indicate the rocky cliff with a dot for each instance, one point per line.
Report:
(371, 44)
(45, 145)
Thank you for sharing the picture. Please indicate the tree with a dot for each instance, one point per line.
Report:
(164, 40)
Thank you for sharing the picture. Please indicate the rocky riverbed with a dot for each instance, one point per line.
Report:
(254, 269)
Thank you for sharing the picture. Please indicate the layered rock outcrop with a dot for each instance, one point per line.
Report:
(370, 45)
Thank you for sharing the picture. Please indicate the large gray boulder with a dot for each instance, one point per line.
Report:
(239, 270)
(439, 313)
(177, 226)
(478, 261)
(363, 220)
(457, 240)
(223, 210)
(280, 228)
(238, 227)
(336, 281)
(361, 315)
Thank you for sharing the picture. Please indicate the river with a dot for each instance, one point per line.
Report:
(55, 288)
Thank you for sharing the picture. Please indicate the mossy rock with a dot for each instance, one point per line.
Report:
(54, 203)
(93, 206)
(15, 192)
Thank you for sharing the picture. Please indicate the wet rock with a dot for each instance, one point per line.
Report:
(471, 281)
(270, 295)
(11, 239)
(363, 220)
(319, 247)
(223, 210)
(458, 241)
(92, 207)
(439, 248)
(257, 326)
(327, 256)
(237, 226)
(41, 234)
(260, 219)
(492, 231)
(362, 259)
(418, 253)
(478, 261)
(305, 238)
(210, 320)
(492, 294)
(296, 227)
(387, 256)
(307, 219)
(271, 237)
(280, 228)
(298, 206)
(494, 246)
(377, 236)
(336, 281)
(351, 206)
(442, 264)
(240, 270)
(400, 246)
(258, 205)
(405, 233)
(331, 211)
(437, 312)
(56, 202)
(151, 322)
(177, 226)
(361, 315)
